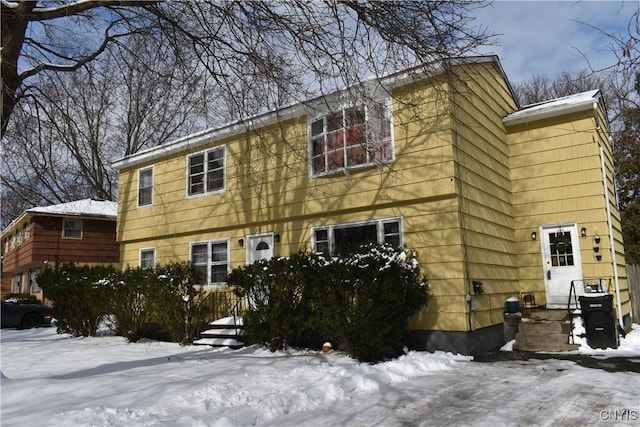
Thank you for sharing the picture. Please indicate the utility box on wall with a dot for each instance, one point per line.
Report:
(599, 321)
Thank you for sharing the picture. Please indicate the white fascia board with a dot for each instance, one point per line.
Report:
(555, 107)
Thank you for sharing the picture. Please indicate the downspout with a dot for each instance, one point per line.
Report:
(611, 237)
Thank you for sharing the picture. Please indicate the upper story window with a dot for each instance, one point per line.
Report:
(343, 238)
(206, 172)
(27, 231)
(148, 258)
(72, 229)
(212, 260)
(145, 187)
(19, 236)
(351, 137)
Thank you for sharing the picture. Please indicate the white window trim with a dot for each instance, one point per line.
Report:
(224, 172)
(152, 182)
(148, 249)
(380, 230)
(208, 283)
(316, 115)
(64, 221)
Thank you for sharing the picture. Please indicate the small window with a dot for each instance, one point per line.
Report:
(72, 229)
(145, 187)
(27, 231)
(19, 237)
(148, 258)
(206, 172)
(212, 260)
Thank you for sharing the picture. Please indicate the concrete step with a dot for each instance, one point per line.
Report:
(544, 330)
(228, 321)
(544, 327)
(560, 338)
(544, 346)
(217, 332)
(219, 342)
(551, 315)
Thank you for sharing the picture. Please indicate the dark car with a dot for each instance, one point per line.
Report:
(25, 316)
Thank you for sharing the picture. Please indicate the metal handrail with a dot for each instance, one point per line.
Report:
(235, 312)
(572, 291)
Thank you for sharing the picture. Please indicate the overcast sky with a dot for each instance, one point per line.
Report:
(547, 37)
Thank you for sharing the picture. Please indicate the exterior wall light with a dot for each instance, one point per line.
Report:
(276, 237)
(534, 235)
(241, 242)
(583, 232)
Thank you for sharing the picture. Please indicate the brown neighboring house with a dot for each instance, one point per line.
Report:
(83, 232)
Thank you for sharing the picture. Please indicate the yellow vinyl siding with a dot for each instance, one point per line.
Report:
(486, 213)
(557, 178)
(469, 192)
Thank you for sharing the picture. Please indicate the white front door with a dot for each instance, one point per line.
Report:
(260, 246)
(561, 263)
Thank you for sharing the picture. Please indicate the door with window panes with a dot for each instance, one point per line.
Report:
(260, 246)
(561, 262)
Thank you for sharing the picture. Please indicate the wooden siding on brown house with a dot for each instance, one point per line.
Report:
(98, 243)
(46, 245)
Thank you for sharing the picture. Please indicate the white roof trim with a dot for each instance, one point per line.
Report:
(555, 107)
(289, 112)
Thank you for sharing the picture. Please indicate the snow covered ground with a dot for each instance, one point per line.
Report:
(56, 380)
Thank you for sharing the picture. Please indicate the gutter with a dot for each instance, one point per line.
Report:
(529, 115)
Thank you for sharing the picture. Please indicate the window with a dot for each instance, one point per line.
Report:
(343, 238)
(206, 172)
(148, 258)
(19, 237)
(561, 249)
(72, 229)
(27, 231)
(352, 137)
(17, 284)
(33, 280)
(212, 260)
(145, 187)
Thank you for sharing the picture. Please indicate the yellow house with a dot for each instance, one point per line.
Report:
(498, 201)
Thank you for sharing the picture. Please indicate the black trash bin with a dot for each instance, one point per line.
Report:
(599, 321)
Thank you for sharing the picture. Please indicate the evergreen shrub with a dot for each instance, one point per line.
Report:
(78, 294)
(361, 301)
(277, 291)
(130, 302)
(177, 300)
